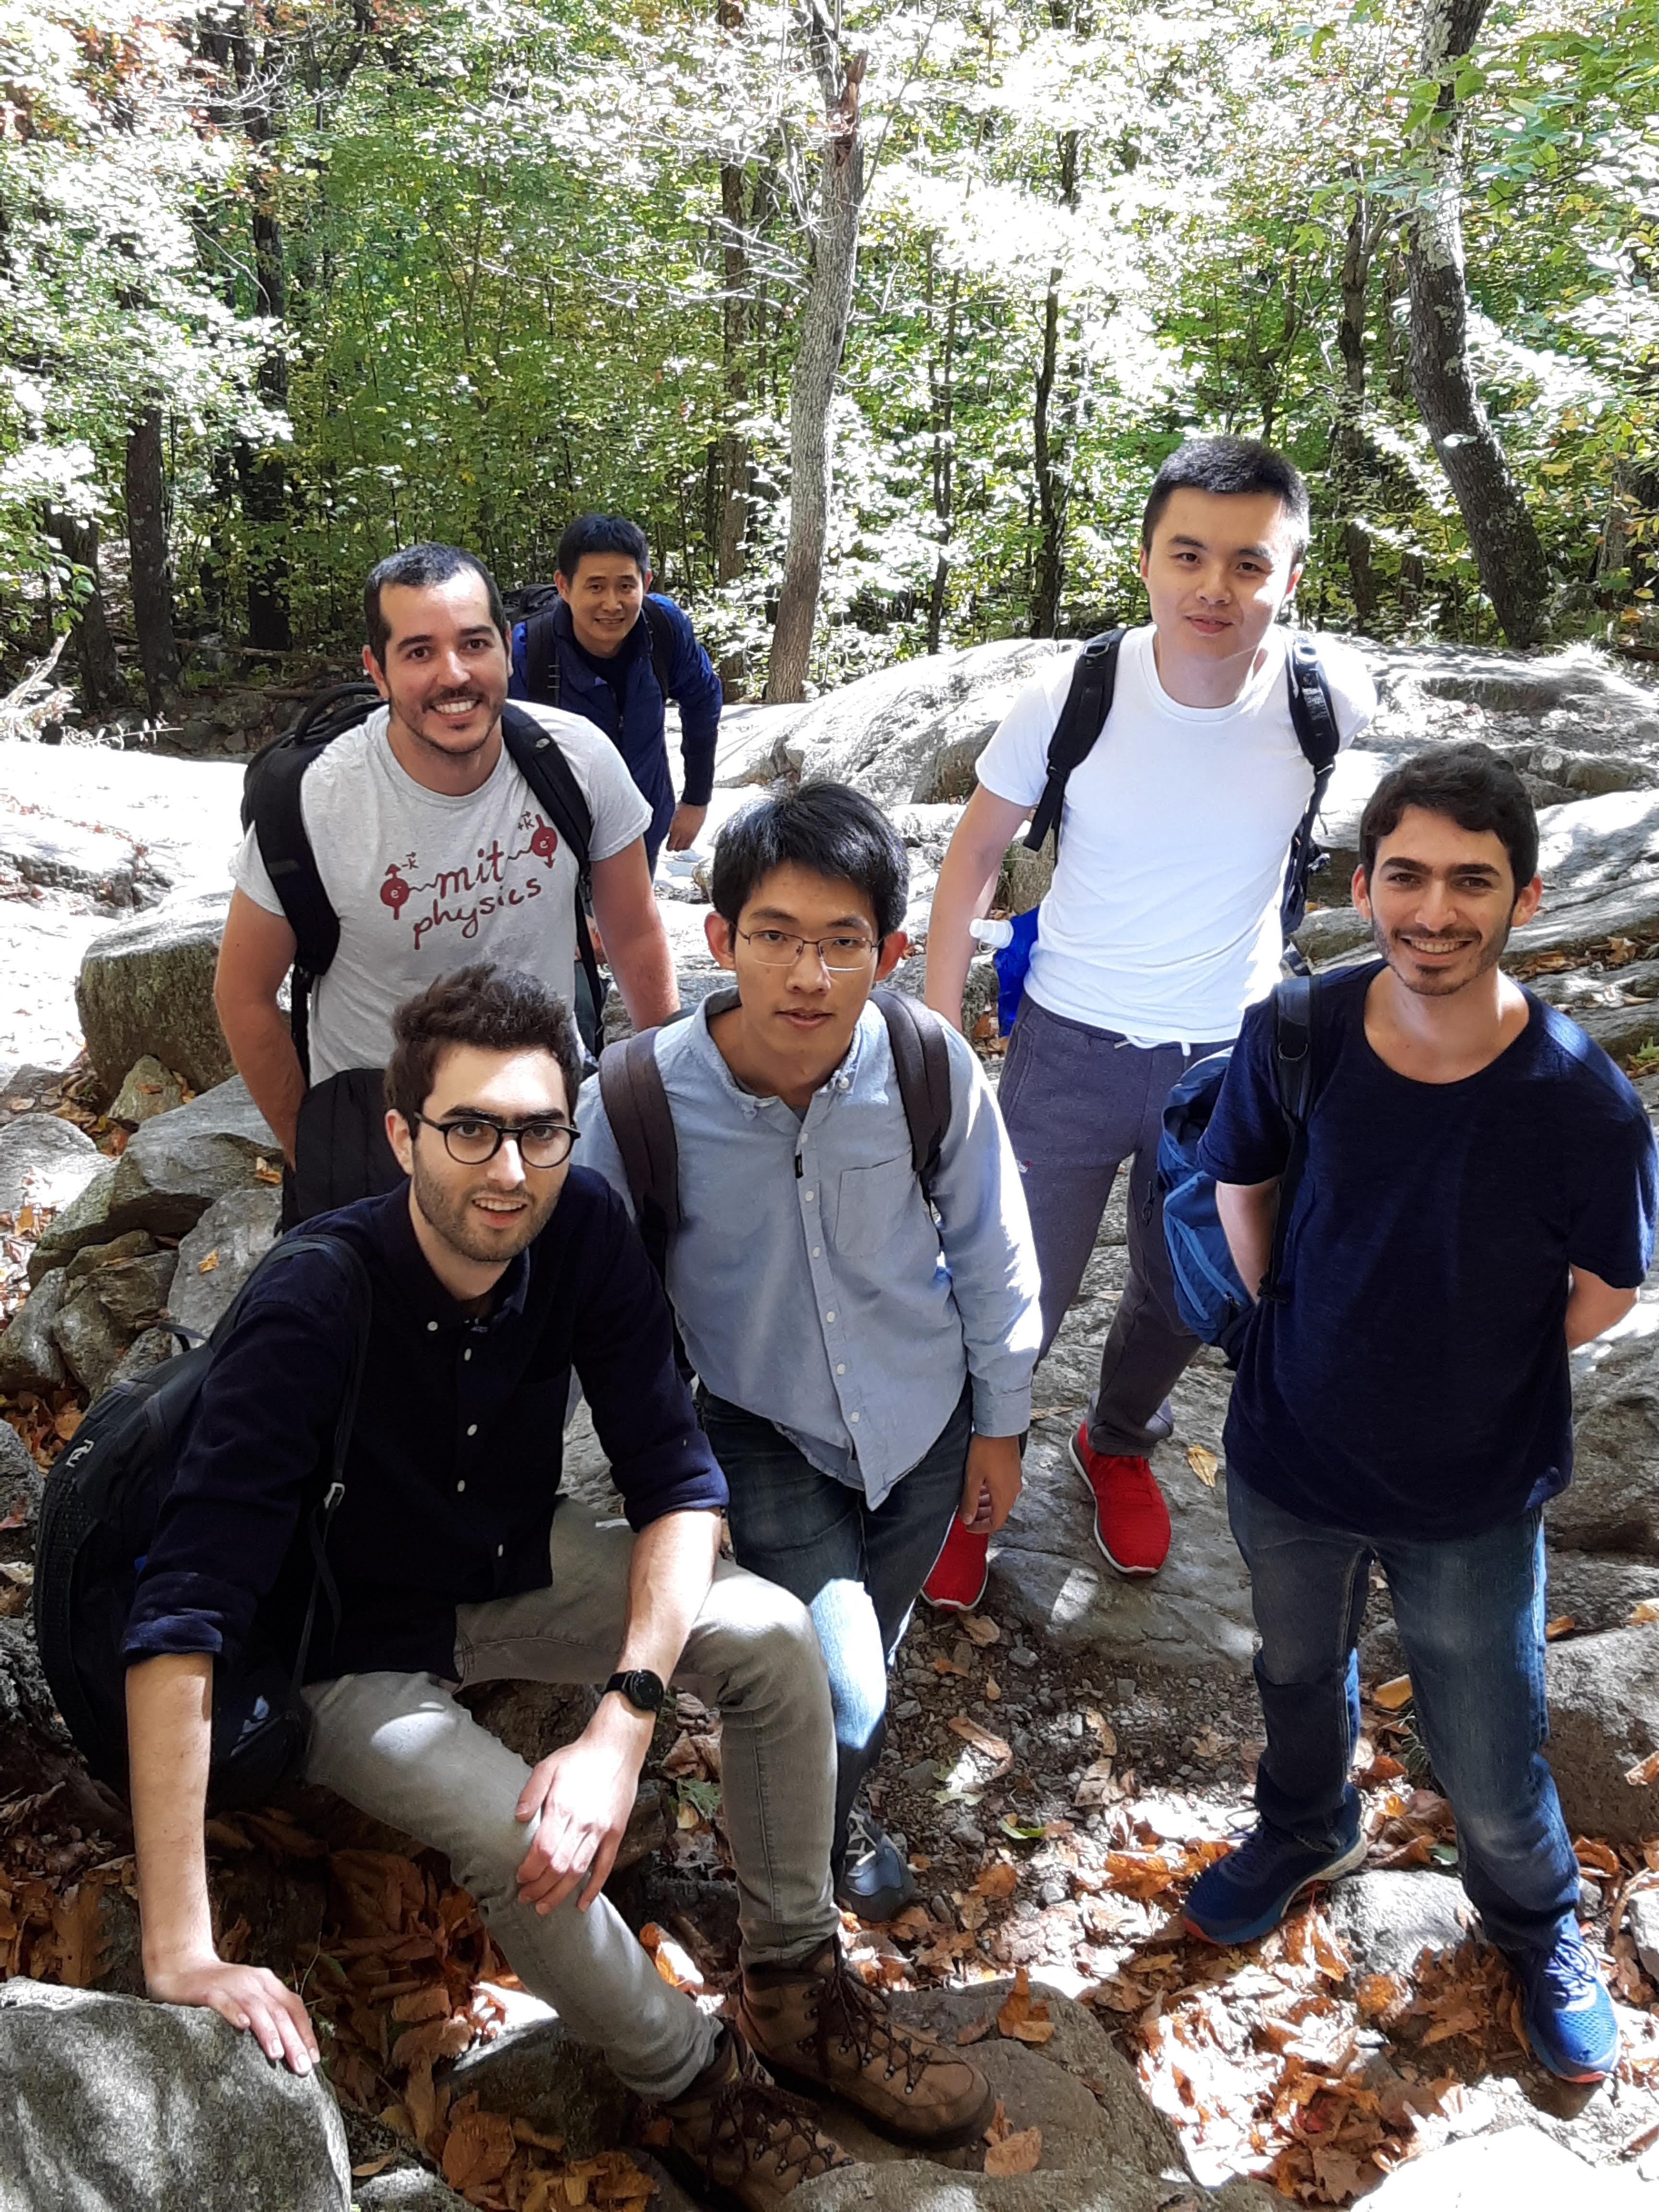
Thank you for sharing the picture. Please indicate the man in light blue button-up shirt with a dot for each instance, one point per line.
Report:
(865, 1358)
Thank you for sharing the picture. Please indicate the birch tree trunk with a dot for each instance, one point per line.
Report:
(817, 363)
(1502, 535)
(1347, 441)
(1052, 454)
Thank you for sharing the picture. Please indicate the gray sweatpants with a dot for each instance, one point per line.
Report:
(1077, 1102)
(401, 1748)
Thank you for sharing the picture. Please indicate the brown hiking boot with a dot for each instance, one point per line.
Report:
(739, 2132)
(821, 2030)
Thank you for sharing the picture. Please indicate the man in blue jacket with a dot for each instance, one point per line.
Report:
(612, 650)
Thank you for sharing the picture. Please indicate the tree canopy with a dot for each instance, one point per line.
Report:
(311, 278)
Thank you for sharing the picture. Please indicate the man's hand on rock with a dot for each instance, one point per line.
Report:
(248, 1997)
(584, 1794)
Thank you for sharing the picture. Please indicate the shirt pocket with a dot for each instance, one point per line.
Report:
(871, 1205)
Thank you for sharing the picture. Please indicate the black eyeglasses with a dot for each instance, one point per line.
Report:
(472, 1139)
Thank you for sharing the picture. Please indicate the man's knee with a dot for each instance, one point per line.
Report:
(762, 1633)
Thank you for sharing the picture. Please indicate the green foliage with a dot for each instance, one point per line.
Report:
(501, 270)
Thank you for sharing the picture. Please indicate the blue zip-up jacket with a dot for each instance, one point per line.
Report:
(629, 707)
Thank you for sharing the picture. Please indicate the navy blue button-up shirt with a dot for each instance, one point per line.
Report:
(457, 1448)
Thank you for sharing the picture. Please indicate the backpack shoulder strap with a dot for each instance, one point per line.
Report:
(921, 1061)
(285, 849)
(1088, 703)
(662, 645)
(1293, 1075)
(537, 755)
(541, 655)
(1313, 715)
(636, 1107)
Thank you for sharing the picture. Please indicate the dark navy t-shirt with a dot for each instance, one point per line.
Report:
(1414, 1381)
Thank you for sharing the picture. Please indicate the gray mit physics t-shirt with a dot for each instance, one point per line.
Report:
(424, 883)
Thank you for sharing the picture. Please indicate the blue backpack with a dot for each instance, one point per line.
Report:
(1213, 1302)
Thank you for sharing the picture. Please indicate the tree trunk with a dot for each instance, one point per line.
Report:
(1053, 457)
(732, 516)
(941, 378)
(817, 363)
(1347, 441)
(147, 546)
(1505, 542)
(95, 648)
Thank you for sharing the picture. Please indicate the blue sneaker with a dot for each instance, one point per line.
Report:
(1568, 2012)
(1250, 1890)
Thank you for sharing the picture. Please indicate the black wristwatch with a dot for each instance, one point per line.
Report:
(642, 1689)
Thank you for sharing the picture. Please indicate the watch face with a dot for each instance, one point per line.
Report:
(643, 1690)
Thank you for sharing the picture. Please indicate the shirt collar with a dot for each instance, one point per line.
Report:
(425, 1297)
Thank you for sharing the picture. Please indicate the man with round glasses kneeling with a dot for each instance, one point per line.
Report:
(496, 1271)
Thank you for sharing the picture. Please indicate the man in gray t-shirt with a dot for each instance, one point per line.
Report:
(434, 852)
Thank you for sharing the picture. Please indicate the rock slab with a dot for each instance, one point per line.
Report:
(45, 1161)
(129, 2106)
(221, 1252)
(147, 988)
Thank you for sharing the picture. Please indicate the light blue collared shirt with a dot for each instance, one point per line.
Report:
(812, 1284)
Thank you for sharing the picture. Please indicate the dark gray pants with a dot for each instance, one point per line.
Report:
(1078, 1101)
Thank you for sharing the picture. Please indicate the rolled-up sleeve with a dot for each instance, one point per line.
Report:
(642, 1411)
(985, 1233)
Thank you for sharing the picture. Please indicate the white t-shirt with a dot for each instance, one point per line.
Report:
(1162, 920)
(424, 883)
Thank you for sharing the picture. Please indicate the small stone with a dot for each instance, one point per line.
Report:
(1055, 1890)
(149, 1089)
(966, 1832)
(1642, 1919)
(1019, 1656)
(1125, 1687)
(907, 1709)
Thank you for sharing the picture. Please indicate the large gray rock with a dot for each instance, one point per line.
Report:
(1612, 1504)
(147, 988)
(44, 1161)
(1520, 2168)
(1599, 859)
(912, 733)
(1574, 699)
(1105, 2148)
(21, 1483)
(177, 1166)
(29, 1358)
(1604, 1721)
(543, 2075)
(127, 2106)
(82, 1221)
(1385, 1917)
(103, 1311)
(221, 1252)
(63, 856)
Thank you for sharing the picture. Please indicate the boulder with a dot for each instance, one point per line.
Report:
(45, 1161)
(1613, 1503)
(21, 1483)
(147, 987)
(912, 733)
(108, 1306)
(146, 1350)
(29, 1358)
(136, 2108)
(82, 1221)
(542, 2074)
(1521, 2167)
(63, 856)
(177, 1165)
(147, 1089)
(1385, 1917)
(1573, 700)
(1642, 1920)
(221, 1252)
(1105, 2148)
(1604, 1721)
(1599, 859)
(694, 985)
(979, 991)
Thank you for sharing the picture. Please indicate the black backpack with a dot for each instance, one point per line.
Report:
(270, 806)
(535, 605)
(636, 1107)
(103, 1500)
(1089, 700)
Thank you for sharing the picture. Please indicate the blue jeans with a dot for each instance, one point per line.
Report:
(858, 1571)
(1471, 1618)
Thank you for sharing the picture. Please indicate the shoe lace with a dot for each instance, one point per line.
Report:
(754, 2119)
(863, 1839)
(866, 2030)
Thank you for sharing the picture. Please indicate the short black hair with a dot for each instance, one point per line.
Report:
(602, 533)
(1230, 466)
(1473, 785)
(415, 566)
(828, 827)
(494, 1009)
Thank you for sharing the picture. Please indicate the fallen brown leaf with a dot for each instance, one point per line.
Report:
(1016, 2154)
(1563, 1624)
(1393, 1696)
(1204, 1464)
(978, 1630)
(1648, 1771)
(983, 1740)
(206, 1267)
(1641, 1615)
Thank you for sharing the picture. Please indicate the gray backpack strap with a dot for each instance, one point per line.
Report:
(922, 1060)
(636, 1107)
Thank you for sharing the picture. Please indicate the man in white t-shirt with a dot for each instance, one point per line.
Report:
(1161, 927)
(434, 852)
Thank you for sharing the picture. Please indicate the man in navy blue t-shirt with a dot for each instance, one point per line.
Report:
(1477, 1198)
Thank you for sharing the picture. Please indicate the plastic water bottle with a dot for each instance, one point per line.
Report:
(994, 935)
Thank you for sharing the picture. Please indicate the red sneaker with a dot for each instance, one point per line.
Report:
(1132, 1522)
(959, 1574)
